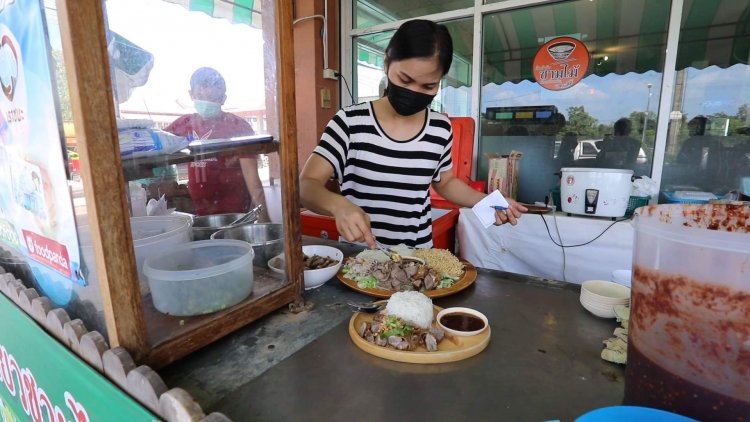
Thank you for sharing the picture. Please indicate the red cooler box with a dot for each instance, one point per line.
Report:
(443, 227)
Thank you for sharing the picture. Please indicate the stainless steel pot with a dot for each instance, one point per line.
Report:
(267, 239)
(206, 225)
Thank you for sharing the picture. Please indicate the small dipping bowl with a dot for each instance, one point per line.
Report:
(462, 322)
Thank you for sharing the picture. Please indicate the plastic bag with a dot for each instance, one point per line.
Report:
(141, 142)
(645, 186)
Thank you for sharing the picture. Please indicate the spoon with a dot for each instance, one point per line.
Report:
(367, 307)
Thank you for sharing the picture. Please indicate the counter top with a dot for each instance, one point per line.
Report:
(542, 362)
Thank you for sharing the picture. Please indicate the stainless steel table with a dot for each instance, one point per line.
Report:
(542, 363)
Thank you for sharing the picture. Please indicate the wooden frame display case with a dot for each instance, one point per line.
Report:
(151, 337)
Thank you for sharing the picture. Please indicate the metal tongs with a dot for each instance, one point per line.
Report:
(247, 216)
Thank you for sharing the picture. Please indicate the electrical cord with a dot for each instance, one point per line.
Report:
(580, 244)
(339, 75)
(565, 264)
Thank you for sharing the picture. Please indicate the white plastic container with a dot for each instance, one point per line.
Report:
(151, 235)
(688, 342)
(596, 192)
(200, 277)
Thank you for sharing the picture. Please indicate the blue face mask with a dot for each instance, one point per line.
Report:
(207, 109)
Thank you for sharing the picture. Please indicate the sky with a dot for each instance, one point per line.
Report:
(707, 91)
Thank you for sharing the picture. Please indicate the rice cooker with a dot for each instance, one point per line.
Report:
(594, 191)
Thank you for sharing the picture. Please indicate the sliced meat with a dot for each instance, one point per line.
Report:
(398, 342)
(437, 332)
(411, 269)
(429, 282)
(375, 327)
(417, 283)
(362, 329)
(398, 277)
(380, 341)
(430, 343)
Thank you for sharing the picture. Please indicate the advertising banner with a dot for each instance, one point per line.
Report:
(41, 380)
(36, 212)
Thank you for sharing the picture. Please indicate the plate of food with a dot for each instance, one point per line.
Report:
(406, 331)
(434, 272)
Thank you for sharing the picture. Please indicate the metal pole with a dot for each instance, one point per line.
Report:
(645, 116)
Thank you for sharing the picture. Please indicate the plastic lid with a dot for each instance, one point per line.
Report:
(153, 267)
(595, 170)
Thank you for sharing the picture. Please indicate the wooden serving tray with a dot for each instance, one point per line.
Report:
(470, 274)
(449, 350)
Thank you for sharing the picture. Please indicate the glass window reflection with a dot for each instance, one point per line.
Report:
(608, 119)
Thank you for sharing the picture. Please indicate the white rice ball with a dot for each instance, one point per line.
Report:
(412, 307)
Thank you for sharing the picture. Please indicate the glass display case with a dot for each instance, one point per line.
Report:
(176, 115)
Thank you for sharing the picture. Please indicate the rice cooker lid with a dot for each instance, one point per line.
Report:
(594, 170)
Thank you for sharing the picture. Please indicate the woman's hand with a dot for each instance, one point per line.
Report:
(511, 215)
(353, 223)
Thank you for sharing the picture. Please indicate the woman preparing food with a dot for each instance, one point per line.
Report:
(386, 153)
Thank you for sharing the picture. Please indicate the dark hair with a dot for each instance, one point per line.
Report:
(622, 127)
(421, 38)
(208, 77)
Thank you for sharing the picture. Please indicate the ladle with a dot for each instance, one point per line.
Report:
(366, 307)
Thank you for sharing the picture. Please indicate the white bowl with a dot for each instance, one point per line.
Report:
(605, 291)
(313, 278)
(594, 298)
(622, 277)
(458, 310)
(600, 311)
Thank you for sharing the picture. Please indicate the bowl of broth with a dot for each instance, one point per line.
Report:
(462, 321)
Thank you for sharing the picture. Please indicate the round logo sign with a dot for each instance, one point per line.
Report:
(561, 63)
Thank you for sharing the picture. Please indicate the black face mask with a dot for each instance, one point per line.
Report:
(405, 101)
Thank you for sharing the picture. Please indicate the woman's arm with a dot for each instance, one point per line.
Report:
(351, 221)
(455, 190)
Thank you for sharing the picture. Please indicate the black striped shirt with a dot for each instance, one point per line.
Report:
(390, 180)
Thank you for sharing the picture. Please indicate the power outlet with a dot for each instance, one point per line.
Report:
(329, 74)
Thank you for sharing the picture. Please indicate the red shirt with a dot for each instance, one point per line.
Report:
(216, 185)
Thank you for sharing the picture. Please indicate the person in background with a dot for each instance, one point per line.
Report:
(386, 153)
(566, 154)
(227, 183)
(620, 151)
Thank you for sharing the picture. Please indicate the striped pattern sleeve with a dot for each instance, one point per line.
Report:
(334, 143)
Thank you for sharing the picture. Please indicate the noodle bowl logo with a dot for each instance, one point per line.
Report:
(8, 67)
(560, 63)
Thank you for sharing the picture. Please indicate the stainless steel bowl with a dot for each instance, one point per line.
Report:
(206, 225)
(267, 239)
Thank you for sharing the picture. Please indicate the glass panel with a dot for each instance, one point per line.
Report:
(38, 240)
(367, 13)
(196, 135)
(454, 97)
(606, 119)
(708, 145)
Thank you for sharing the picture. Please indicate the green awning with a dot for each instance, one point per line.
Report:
(236, 11)
(622, 36)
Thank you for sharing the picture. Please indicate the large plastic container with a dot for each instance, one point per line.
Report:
(151, 235)
(200, 277)
(689, 339)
